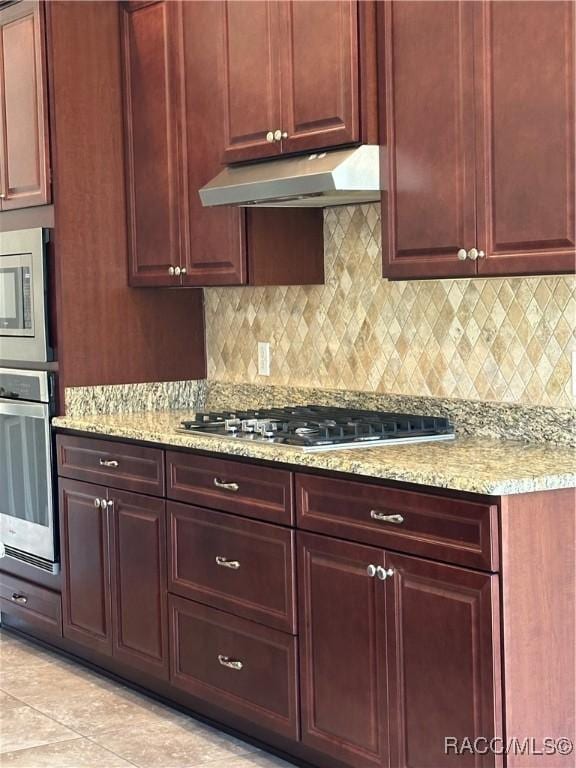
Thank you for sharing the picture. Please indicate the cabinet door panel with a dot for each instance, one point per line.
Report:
(252, 79)
(320, 77)
(152, 106)
(429, 211)
(138, 546)
(84, 539)
(216, 242)
(24, 105)
(526, 136)
(342, 651)
(443, 661)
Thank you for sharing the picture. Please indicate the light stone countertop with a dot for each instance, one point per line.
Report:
(473, 464)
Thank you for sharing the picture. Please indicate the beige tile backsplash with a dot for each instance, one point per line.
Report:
(503, 339)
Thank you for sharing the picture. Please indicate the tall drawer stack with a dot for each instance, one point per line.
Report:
(232, 587)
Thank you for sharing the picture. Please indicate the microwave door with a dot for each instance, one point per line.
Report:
(15, 301)
(26, 503)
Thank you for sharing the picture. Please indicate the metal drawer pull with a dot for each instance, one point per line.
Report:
(108, 463)
(234, 487)
(381, 517)
(226, 661)
(383, 573)
(225, 563)
(20, 599)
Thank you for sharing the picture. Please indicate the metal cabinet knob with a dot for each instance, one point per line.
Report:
(2, 195)
(284, 134)
(270, 136)
(371, 570)
(171, 271)
(225, 563)
(481, 254)
(277, 135)
(462, 254)
(384, 573)
(97, 503)
(177, 271)
(108, 504)
(226, 661)
(183, 270)
(473, 254)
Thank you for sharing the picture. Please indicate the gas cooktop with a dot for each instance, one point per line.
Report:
(320, 428)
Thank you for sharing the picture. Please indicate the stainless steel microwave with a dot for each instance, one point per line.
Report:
(24, 326)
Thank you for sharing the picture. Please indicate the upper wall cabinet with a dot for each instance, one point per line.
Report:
(174, 75)
(294, 72)
(480, 138)
(24, 151)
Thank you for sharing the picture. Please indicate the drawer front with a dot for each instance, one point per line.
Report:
(231, 486)
(442, 528)
(238, 565)
(36, 605)
(243, 667)
(119, 465)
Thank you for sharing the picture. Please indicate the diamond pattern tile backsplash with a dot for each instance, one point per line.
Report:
(503, 339)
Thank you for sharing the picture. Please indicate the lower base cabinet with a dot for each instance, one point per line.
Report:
(114, 574)
(243, 667)
(397, 653)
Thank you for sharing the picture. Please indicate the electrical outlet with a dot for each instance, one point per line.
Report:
(574, 373)
(263, 358)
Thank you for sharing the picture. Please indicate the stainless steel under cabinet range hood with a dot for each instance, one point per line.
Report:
(333, 177)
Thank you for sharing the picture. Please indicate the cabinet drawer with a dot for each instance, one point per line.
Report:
(243, 667)
(238, 565)
(443, 528)
(119, 465)
(231, 486)
(36, 605)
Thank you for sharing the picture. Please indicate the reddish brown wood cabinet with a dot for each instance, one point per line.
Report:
(85, 548)
(138, 567)
(174, 92)
(443, 661)
(235, 664)
(24, 150)
(479, 137)
(153, 160)
(409, 652)
(292, 76)
(240, 566)
(342, 648)
(114, 573)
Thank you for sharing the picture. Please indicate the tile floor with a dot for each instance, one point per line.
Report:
(56, 714)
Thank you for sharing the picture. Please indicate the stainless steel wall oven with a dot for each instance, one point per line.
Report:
(27, 509)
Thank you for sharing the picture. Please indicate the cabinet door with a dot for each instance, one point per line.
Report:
(443, 661)
(428, 214)
(342, 647)
(320, 80)
(138, 546)
(85, 564)
(526, 136)
(252, 79)
(152, 105)
(216, 241)
(24, 155)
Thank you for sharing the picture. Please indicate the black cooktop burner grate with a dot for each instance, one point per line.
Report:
(319, 427)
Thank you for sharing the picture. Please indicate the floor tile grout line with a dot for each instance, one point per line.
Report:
(76, 737)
